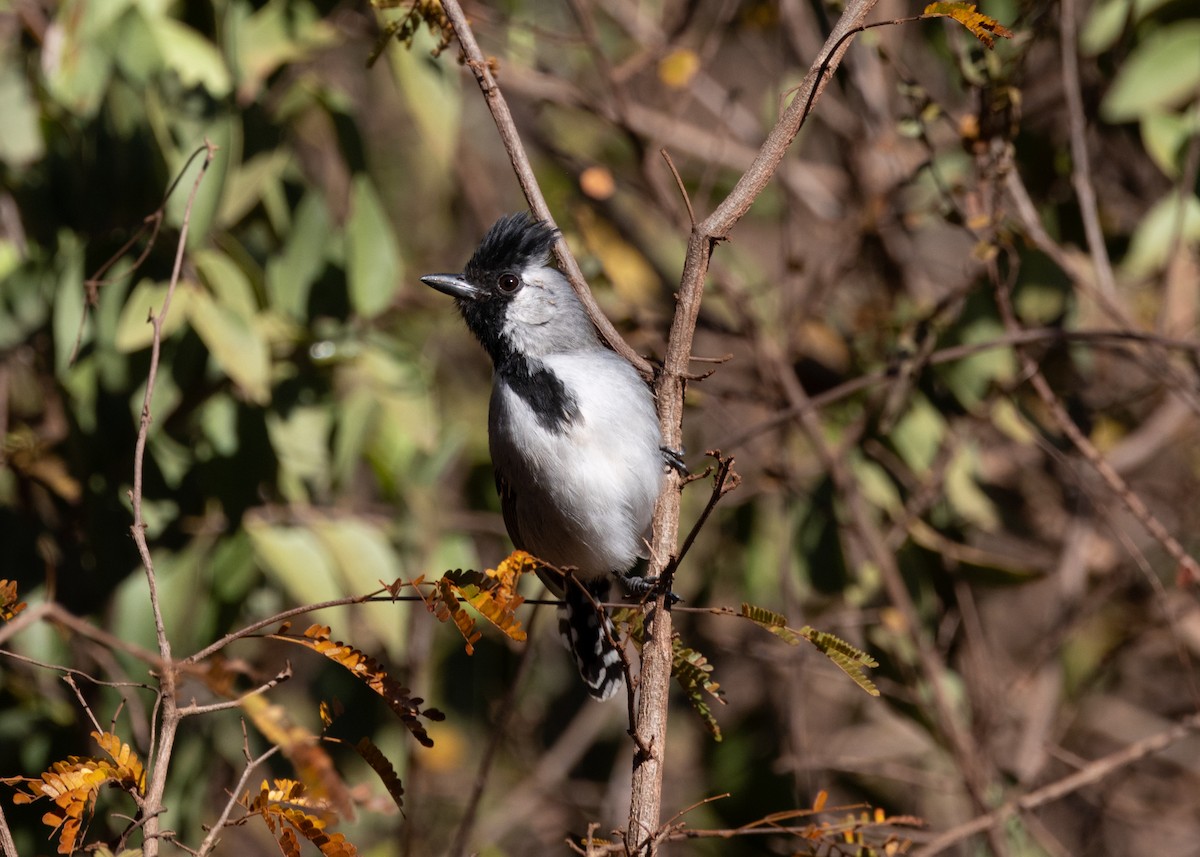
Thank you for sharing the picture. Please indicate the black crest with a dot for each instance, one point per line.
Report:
(511, 243)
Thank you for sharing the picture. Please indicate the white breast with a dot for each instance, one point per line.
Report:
(584, 496)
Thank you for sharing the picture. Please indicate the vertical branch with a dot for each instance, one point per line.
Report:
(161, 755)
(646, 800)
(7, 846)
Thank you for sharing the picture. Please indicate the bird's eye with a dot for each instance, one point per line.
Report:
(508, 283)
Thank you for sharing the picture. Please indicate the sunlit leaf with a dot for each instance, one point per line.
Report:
(1160, 73)
(190, 55)
(981, 26)
(373, 267)
(234, 344)
(134, 331)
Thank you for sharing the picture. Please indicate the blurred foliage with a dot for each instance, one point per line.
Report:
(319, 419)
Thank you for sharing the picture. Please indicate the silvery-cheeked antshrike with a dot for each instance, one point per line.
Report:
(572, 430)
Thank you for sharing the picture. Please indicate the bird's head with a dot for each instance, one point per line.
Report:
(511, 297)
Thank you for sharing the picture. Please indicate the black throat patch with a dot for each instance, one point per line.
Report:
(544, 392)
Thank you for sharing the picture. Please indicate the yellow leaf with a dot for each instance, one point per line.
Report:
(633, 278)
(981, 26)
(678, 68)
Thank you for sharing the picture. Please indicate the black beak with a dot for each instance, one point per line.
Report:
(452, 284)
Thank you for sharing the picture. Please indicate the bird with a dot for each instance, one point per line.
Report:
(572, 431)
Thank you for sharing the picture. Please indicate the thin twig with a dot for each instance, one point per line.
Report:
(160, 762)
(210, 841)
(724, 481)
(1081, 170)
(687, 200)
(1132, 501)
(1092, 773)
(282, 676)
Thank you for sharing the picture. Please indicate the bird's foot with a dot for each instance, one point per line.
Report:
(643, 586)
(673, 458)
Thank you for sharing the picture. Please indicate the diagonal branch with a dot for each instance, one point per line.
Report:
(478, 63)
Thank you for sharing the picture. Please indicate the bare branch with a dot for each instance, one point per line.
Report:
(160, 762)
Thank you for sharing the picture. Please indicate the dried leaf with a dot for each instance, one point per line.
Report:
(383, 767)
(288, 803)
(982, 27)
(9, 605)
(322, 782)
(73, 784)
(693, 672)
(368, 670)
(691, 669)
(446, 607)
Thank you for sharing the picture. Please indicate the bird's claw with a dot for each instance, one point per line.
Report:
(642, 586)
(673, 458)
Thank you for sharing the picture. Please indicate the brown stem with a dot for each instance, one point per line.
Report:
(646, 799)
(161, 753)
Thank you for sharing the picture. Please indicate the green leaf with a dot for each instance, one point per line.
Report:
(372, 258)
(1166, 136)
(272, 37)
(771, 621)
(301, 442)
(363, 556)
(69, 300)
(433, 95)
(190, 55)
(290, 274)
(1161, 73)
(229, 284)
(295, 558)
(77, 73)
(235, 345)
(134, 331)
(848, 658)
(963, 492)
(21, 143)
(693, 673)
(918, 434)
(971, 378)
(248, 183)
(1106, 22)
(876, 484)
(1161, 230)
